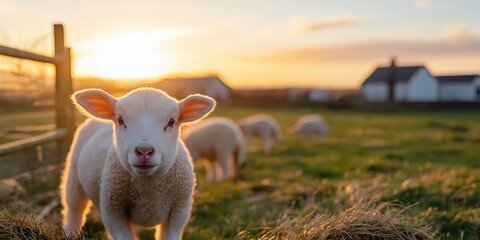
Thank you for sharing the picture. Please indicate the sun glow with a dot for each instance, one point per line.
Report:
(132, 56)
(121, 63)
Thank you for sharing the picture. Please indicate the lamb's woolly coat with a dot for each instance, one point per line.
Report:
(166, 193)
(101, 174)
(310, 126)
(101, 168)
(218, 140)
(262, 126)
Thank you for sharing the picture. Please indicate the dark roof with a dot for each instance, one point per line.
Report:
(402, 74)
(193, 81)
(456, 79)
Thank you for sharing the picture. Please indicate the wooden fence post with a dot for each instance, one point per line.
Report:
(65, 117)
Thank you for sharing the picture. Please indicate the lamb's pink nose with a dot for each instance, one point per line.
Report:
(144, 152)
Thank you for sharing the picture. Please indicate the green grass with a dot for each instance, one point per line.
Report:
(425, 161)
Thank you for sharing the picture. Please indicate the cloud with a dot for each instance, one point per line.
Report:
(368, 51)
(459, 34)
(422, 3)
(298, 24)
(428, 4)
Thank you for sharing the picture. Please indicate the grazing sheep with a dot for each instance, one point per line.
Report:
(262, 126)
(218, 140)
(310, 127)
(129, 162)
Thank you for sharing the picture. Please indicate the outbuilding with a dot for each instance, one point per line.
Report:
(401, 84)
(459, 88)
(181, 87)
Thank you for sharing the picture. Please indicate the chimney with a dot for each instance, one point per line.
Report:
(391, 80)
(392, 64)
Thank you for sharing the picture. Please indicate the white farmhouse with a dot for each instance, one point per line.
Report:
(182, 87)
(460, 88)
(401, 84)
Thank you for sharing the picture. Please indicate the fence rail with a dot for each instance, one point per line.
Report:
(21, 144)
(12, 52)
(65, 119)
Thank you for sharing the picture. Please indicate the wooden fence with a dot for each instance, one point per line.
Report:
(65, 119)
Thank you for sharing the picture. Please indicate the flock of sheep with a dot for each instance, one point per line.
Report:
(129, 161)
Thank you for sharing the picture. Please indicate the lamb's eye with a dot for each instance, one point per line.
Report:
(170, 123)
(121, 122)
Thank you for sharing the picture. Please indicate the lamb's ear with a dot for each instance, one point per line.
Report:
(95, 103)
(195, 107)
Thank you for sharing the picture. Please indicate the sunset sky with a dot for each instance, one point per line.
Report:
(253, 43)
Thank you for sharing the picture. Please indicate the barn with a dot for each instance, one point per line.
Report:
(401, 84)
(181, 87)
(459, 88)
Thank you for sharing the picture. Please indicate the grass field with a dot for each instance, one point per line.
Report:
(425, 163)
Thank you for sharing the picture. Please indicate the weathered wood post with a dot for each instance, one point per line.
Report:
(65, 117)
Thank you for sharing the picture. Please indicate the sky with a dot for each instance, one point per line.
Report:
(252, 43)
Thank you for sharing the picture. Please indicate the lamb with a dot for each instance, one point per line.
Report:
(130, 163)
(217, 140)
(310, 127)
(262, 126)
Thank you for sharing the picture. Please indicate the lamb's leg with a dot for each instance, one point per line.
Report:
(114, 214)
(75, 203)
(267, 143)
(237, 161)
(172, 229)
(117, 225)
(218, 170)
(210, 170)
(224, 159)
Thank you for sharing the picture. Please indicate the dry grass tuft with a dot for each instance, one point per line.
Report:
(22, 226)
(362, 221)
(15, 225)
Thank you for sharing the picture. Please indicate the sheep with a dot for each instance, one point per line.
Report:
(217, 140)
(310, 127)
(262, 126)
(129, 162)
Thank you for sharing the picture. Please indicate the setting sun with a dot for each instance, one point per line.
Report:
(133, 56)
(312, 44)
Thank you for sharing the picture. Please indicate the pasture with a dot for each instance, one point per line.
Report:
(424, 163)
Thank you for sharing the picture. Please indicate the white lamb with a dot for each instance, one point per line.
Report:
(310, 127)
(128, 160)
(261, 126)
(218, 140)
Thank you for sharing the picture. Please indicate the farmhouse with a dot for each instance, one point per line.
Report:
(416, 84)
(401, 84)
(459, 88)
(212, 86)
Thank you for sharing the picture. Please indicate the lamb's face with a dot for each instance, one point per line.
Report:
(146, 123)
(146, 132)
